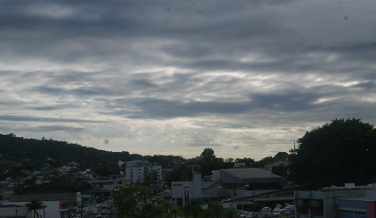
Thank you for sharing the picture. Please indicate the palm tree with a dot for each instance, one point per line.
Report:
(176, 211)
(34, 205)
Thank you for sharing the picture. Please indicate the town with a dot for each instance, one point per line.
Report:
(205, 186)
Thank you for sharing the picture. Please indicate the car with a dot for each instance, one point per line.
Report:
(98, 216)
(109, 207)
(286, 213)
(94, 212)
(204, 206)
(103, 212)
(226, 200)
(266, 212)
(277, 212)
(251, 215)
(243, 215)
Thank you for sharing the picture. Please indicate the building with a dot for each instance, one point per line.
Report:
(228, 183)
(237, 177)
(56, 205)
(349, 201)
(14, 210)
(136, 171)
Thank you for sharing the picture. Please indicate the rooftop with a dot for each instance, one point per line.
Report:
(250, 173)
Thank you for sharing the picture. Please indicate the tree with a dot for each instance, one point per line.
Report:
(193, 209)
(248, 161)
(338, 152)
(207, 154)
(34, 205)
(126, 202)
(281, 156)
(143, 193)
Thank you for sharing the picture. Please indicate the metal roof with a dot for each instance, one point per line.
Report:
(251, 173)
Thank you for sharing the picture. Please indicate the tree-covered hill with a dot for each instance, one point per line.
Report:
(35, 152)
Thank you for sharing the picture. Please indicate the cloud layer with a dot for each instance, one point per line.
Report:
(174, 77)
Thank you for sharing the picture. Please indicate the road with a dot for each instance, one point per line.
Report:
(104, 212)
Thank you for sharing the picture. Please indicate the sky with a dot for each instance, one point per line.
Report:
(245, 78)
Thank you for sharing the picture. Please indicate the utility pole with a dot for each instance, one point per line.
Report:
(16, 212)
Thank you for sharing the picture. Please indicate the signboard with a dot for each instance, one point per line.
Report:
(309, 203)
(64, 204)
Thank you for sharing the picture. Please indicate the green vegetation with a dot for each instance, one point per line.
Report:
(338, 152)
(59, 185)
(31, 154)
(34, 205)
(131, 203)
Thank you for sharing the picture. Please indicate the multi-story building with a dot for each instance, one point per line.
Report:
(136, 171)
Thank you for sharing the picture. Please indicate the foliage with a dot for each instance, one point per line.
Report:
(193, 209)
(126, 202)
(34, 205)
(338, 152)
(182, 174)
(207, 154)
(281, 156)
(59, 185)
(248, 161)
(32, 154)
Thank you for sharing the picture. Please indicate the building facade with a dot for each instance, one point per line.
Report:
(136, 171)
(337, 202)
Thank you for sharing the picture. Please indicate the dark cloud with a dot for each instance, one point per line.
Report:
(220, 66)
(161, 109)
(44, 119)
(55, 107)
(53, 128)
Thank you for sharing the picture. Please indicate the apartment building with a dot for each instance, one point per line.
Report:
(138, 170)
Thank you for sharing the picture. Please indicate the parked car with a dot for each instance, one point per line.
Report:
(266, 212)
(243, 215)
(251, 215)
(226, 200)
(204, 206)
(277, 212)
(94, 212)
(98, 216)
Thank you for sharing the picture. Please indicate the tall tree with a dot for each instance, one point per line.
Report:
(338, 152)
(207, 154)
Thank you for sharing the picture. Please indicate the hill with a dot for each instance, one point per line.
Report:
(33, 154)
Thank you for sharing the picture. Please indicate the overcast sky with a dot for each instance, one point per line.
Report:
(245, 78)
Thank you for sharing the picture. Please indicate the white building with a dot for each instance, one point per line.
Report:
(55, 205)
(137, 170)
